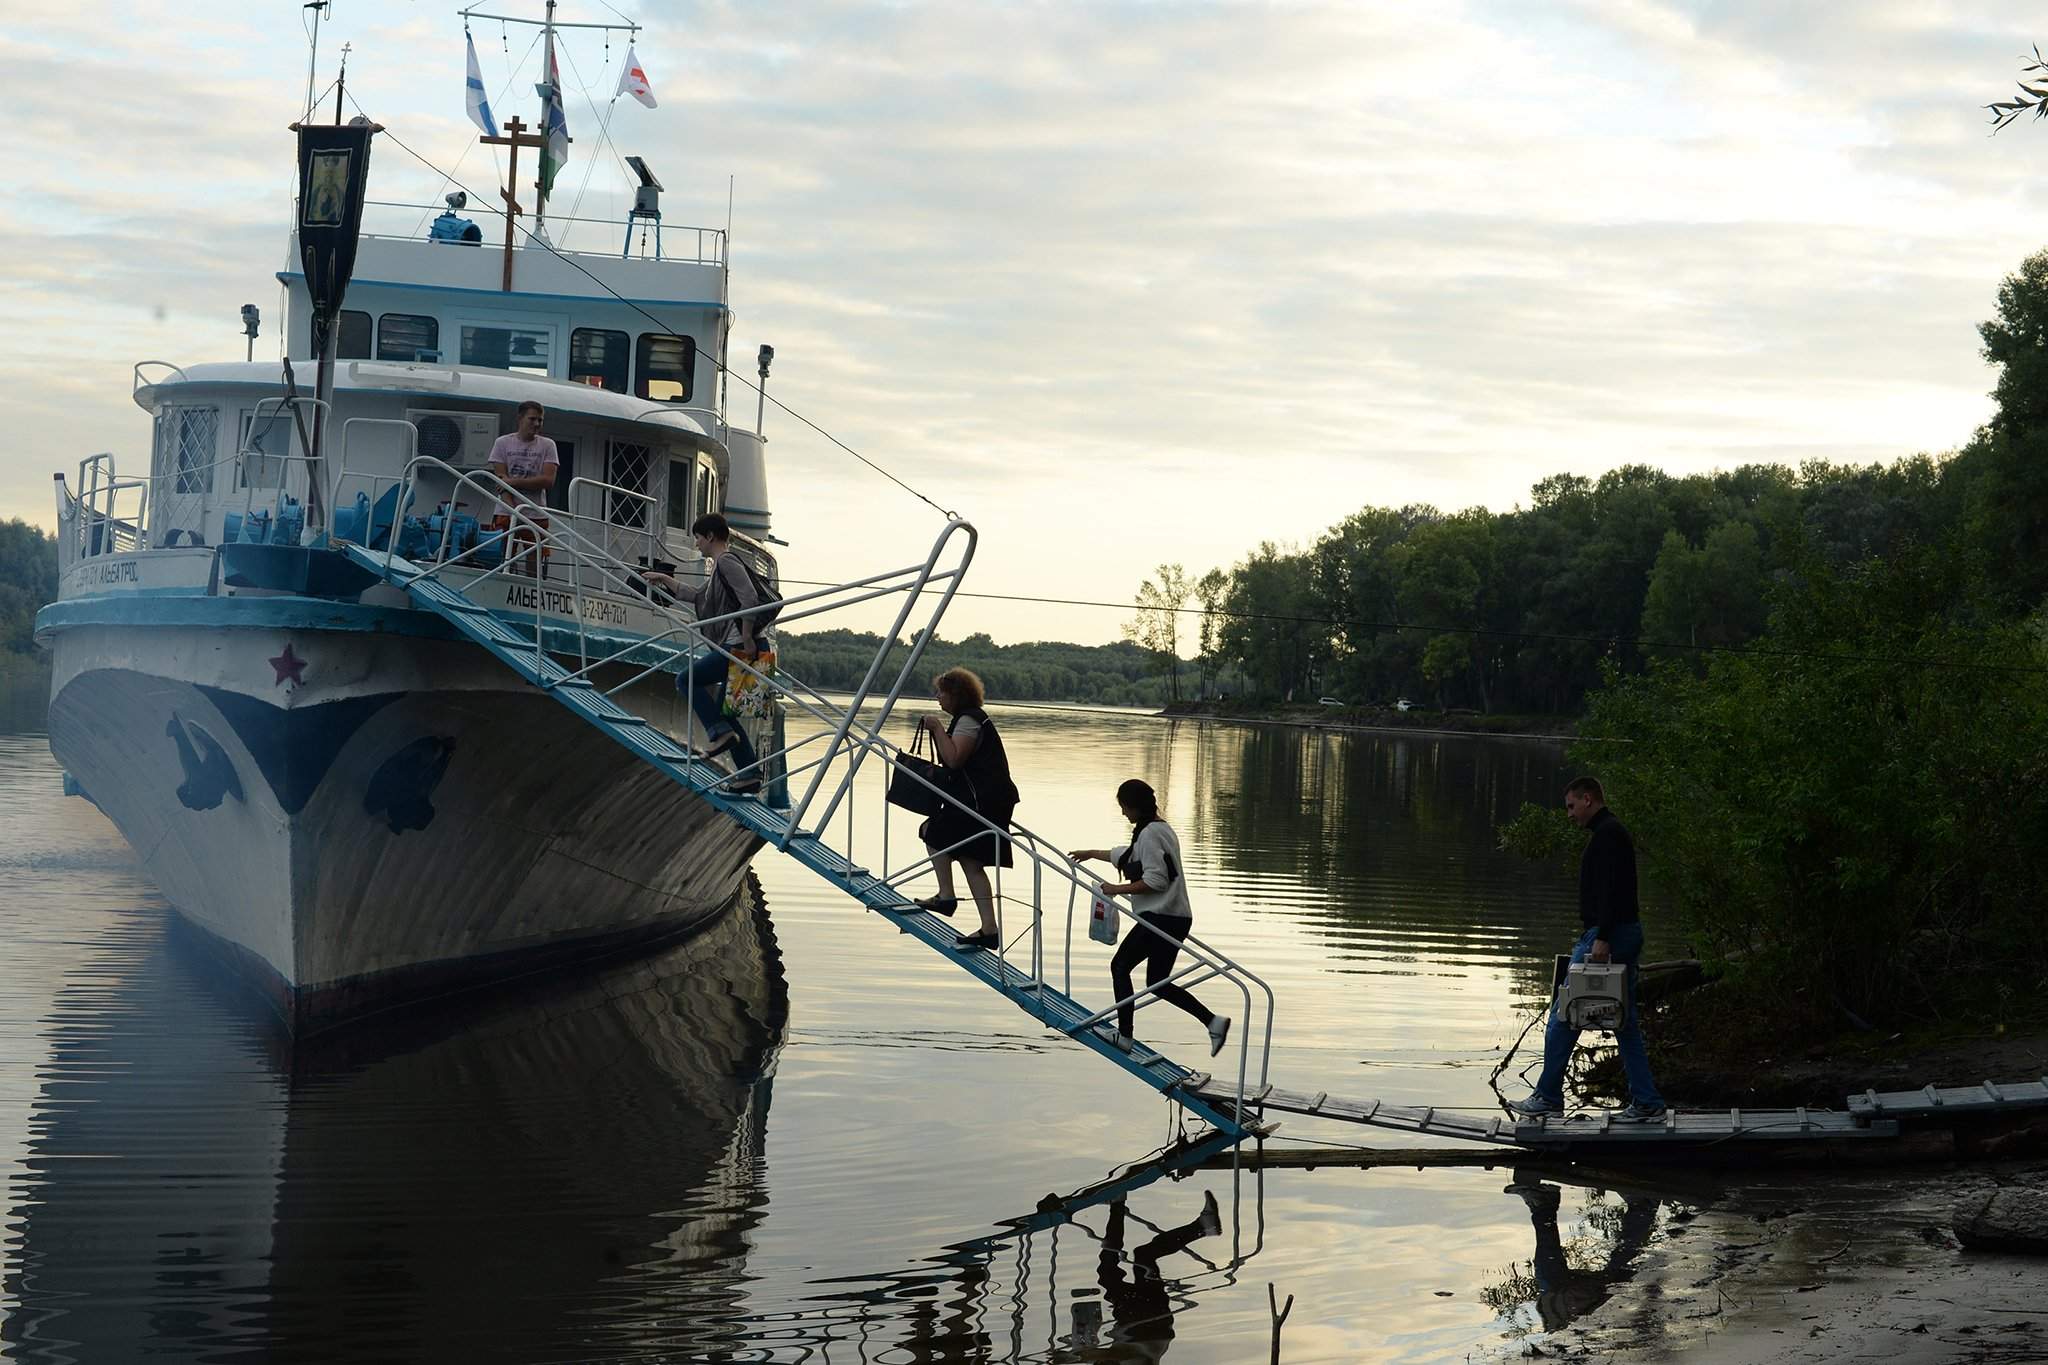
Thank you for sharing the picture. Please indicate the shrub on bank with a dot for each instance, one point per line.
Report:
(1853, 810)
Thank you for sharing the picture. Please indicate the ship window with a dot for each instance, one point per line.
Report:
(707, 488)
(599, 358)
(353, 343)
(408, 336)
(664, 365)
(679, 494)
(508, 348)
(266, 440)
(186, 440)
(627, 465)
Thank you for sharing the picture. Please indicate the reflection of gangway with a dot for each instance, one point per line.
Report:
(1031, 1245)
(558, 658)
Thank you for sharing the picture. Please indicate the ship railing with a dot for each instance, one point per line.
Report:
(407, 431)
(616, 534)
(102, 521)
(139, 382)
(708, 243)
(835, 755)
(251, 462)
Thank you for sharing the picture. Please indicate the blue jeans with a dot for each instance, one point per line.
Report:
(1558, 1039)
(704, 680)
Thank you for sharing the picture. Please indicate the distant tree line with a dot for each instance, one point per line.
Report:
(28, 579)
(1119, 674)
(1519, 611)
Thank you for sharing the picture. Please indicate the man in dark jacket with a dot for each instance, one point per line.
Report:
(1614, 933)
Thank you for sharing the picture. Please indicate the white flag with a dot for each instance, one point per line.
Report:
(479, 106)
(633, 81)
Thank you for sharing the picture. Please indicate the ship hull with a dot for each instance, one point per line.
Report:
(361, 818)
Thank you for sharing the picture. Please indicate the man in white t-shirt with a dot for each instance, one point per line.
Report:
(528, 461)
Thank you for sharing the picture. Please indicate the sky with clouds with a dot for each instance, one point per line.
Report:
(1122, 283)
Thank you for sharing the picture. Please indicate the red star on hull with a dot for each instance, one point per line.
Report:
(289, 666)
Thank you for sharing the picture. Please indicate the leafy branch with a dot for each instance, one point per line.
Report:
(2032, 97)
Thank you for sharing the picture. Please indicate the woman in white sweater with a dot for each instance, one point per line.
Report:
(1151, 866)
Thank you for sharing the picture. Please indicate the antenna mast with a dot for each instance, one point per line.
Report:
(312, 59)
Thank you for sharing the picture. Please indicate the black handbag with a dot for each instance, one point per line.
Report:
(907, 791)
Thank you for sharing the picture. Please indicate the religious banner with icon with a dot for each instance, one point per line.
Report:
(334, 172)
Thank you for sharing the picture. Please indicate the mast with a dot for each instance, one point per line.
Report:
(312, 59)
(549, 90)
(551, 94)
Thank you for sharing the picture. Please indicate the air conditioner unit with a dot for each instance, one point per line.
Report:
(460, 438)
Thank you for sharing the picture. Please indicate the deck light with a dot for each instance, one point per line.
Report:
(250, 319)
(767, 358)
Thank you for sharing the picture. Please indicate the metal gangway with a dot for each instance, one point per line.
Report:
(1032, 964)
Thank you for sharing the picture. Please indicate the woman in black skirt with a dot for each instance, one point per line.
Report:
(968, 745)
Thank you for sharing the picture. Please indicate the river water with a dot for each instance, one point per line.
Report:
(803, 1136)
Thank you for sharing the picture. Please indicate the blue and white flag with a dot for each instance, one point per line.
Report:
(479, 106)
(554, 150)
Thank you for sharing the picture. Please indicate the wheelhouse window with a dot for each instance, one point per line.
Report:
(628, 466)
(408, 336)
(352, 340)
(187, 440)
(508, 348)
(664, 365)
(599, 358)
(678, 515)
(266, 441)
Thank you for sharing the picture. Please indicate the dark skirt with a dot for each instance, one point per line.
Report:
(952, 824)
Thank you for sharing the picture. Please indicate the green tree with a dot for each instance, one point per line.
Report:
(1264, 632)
(1210, 590)
(1156, 627)
(28, 581)
(1712, 596)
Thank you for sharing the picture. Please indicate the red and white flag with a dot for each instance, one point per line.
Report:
(633, 81)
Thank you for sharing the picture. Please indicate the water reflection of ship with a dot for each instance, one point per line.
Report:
(560, 1172)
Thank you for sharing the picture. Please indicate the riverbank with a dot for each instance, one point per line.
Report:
(1858, 1267)
(1719, 1045)
(1312, 716)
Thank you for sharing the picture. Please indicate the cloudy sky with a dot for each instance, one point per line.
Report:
(1123, 283)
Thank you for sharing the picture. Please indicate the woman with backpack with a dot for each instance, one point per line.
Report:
(1151, 867)
(967, 744)
(728, 587)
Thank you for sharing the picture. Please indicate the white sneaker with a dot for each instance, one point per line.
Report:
(1109, 1033)
(1219, 1029)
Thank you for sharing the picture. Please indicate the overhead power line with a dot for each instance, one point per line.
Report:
(1549, 637)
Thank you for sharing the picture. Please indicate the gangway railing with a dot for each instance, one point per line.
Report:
(1032, 962)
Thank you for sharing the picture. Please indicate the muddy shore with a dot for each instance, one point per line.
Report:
(1797, 1268)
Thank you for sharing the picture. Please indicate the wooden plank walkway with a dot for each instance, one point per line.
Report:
(1584, 1129)
(1986, 1100)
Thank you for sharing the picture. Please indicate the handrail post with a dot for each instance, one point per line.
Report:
(911, 594)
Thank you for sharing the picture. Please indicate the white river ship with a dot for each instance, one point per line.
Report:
(354, 801)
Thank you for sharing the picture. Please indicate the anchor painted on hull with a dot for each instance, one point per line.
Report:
(400, 789)
(209, 772)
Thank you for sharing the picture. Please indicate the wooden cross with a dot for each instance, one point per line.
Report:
(519, 138)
